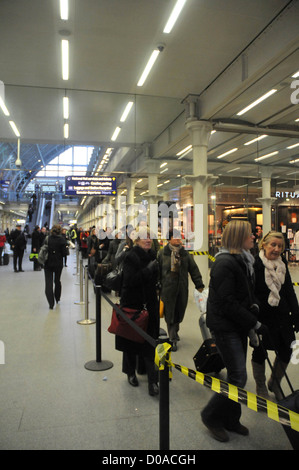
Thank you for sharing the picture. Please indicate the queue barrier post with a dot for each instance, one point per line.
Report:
(164, 379)
(81, 301)
(87, 320)
(98, 364)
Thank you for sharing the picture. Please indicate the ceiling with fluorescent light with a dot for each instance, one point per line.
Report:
(223, 54)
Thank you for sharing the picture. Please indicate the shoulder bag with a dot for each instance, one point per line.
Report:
(43, 252)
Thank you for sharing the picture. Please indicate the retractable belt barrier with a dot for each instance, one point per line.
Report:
(253, 402)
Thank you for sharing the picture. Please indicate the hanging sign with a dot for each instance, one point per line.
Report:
(90, 185)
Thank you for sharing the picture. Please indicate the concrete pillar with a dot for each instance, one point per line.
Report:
(266, 200)
(200, 180)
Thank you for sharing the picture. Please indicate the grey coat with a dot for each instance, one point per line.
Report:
(174, 286)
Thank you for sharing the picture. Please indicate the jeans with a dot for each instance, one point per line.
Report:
(221, 411)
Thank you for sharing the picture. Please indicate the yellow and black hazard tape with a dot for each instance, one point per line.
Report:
(254, 402)
(200, 253)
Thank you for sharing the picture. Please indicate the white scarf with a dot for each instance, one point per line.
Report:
(275, 271)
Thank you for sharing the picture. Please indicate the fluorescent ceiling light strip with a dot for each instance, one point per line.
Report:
(293, 146)
(186, 149)
(115, 133)
(66, 130)
(295, 75)
(163, 171)
(256, 140)
(163, 164)
(227, 153)
(3, 107)
(65, 58)
(282, 182)
(266, 156)
(14, 128)
(65, 107)
(294, 161)
(64, 9)
(174, 16)
(148, 67)
(234, 169)
(255, 103)
(126, 111)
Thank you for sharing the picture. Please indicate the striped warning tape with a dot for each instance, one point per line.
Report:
(274, 411)
(200, 253)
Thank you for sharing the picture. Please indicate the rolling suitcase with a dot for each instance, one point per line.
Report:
(207, 359)
(291, 402)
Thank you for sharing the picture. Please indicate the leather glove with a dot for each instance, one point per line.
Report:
(153, 266)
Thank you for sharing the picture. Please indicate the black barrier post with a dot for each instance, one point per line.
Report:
(164, 405)
(98, 364)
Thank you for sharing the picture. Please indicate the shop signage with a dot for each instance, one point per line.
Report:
(291, 194)
(90, 185)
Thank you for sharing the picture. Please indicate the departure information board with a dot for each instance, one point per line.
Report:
(90, 185)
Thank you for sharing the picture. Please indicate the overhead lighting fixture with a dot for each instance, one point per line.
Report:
(163, 164)
(256, 102)
(66, 130)
(14, 128)
(228, 152)
(115, 133)
(268, 155)
(149, 66)
(234, 169)
(65, 58)
(65, 107)
(64, 9)
(295, 161)
(282, 182)
(3, 107)
(163, 171)
(295, 75)
(126, 111)
(293, 146)
(174, 16)
(296, 120)
(256, 140)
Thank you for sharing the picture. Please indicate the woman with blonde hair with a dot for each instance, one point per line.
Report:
(279, 311)
(231, 316)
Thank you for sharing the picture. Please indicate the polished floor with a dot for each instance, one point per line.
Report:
(50, 401)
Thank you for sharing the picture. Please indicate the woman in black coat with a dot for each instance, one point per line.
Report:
(57, 250)
(140, 272)
(278, 310)
(231, 318)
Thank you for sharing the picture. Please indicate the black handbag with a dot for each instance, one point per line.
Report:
(113, 280)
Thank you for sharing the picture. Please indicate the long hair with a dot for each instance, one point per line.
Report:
(235, 234)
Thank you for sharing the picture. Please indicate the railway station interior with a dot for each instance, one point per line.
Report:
(201, 111)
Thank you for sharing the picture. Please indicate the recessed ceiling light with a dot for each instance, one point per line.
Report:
(148, 67)
(174, 16)
(14, 128)
(293, 146)
(65, 58)
(3, 107)
(64, 10)
(268, 155)
(256, 102)
(256, 139)
(227, 153)
(115, 133)
(126, 111)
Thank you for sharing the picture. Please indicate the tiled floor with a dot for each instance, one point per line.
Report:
(49, 400)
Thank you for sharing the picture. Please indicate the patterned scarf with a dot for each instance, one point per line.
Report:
(175, 258)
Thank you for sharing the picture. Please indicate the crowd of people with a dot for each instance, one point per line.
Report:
(251, 300)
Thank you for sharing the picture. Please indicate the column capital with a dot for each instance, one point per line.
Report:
(207, 179)
(266, 171)
(152, 166)
(200, 131)
(266, 200)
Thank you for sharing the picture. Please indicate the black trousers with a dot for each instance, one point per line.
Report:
(17, 258)
(129, 366)
(53, 292)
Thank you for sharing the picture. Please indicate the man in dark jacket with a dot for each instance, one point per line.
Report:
(18, 244)
(175, 265)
